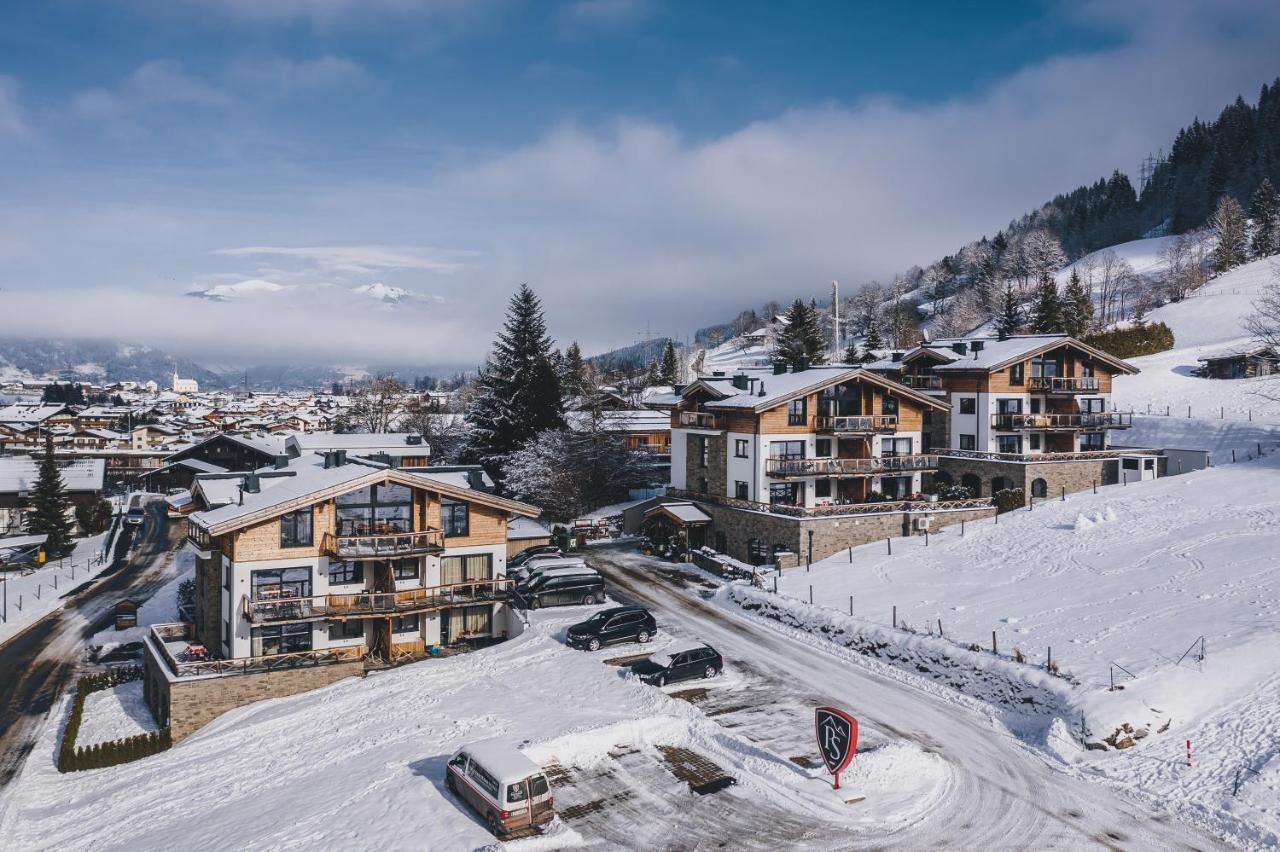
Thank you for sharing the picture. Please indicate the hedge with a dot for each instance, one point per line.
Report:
(1134, 341)
(72, 758)
(1009, 499)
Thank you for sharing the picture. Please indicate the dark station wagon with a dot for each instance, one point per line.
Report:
(616, 624)
(679, 662)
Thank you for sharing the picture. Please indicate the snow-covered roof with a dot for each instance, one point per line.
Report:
(631, 420)
(1239, 352)
(361, 443)
(20, 474)
(770, 389)
(519, 529)
(29, 412)
(994, 353)
(502, 760)
(686, 513)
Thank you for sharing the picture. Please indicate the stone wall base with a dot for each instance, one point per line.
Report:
(1058, 476)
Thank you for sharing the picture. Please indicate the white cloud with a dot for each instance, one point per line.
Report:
(13, 121)
(239, 290)
(358, 259)
(282, 76)
(380, 292)
(157, 84)
(327, 13)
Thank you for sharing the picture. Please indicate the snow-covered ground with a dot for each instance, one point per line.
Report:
(1211, 321)
(1145, 257)
(1132, 577)
(112, 714)
(160, 608)
(360, 764)
(33, 596)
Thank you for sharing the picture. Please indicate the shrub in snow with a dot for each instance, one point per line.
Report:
(101, 755)
(1009, 499)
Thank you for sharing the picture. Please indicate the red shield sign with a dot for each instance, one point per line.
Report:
(837, 738)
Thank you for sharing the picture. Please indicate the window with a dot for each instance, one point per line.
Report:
(343, 573)
(1009, 444)
(376, 509)
(704, 450)
(466, 569)
(406, 569)
(277, 583)
(226, 576)
(788, 450)
(822, 447)
(740, 448)
(822, 488)
(968, 405)
(1092, 441)
(1039, 488)
(1129, 464)
(404, 623)
(785, 493)
(797, 414)
(1035, 405)
(455, 517)
(1017, 373)
(889, 405)
(474, 620)
(971, 483)
(968, 442)
(1093, 405)
(280, 639)
(516, 793)
(295, 528)
(740, 490)
(1042, 367)
(1033, 441)
(352, 628)
(1086, 369)
(483, 780)
(757, 553)
(890, 447)
(1009, 406)
(226, 635)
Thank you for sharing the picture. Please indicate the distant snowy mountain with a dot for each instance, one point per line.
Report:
(383, 292)
(96, 361)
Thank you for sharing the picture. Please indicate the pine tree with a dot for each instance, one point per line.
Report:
(48, 515)
(1009, 318)
(852, 355)
(1229, 227)
(873, 342)
(1077, 307)
(1265, 212)
(519, 394)
(802, 343)
(573, 376)
(670, 372)
(1047, 317)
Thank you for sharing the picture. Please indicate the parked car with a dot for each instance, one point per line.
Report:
(507, 789)
(135, 515)
(616, 624)
(558, 586)
(531, 569)
(529, 552)
(679, 661)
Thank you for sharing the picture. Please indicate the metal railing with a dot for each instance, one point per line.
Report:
(835, 509)
(376, 603)
(857, 423)
(1083, 420)
(698, 420)
(849, 467)
(922, 382)
(1063, 384)
(384, 546)
(1083, 455)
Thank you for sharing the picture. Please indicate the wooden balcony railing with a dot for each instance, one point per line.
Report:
(161, 634)
(377, 603)
(835, 509)
(1083, 455)
(1063, 384)
(384, 546)
(927, 383)
(849, 467)
(698, 420)
(857, 423)
(1083, 420)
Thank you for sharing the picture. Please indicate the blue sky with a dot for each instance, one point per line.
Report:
(636, 161)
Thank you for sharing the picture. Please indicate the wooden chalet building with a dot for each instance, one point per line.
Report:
(311, 569)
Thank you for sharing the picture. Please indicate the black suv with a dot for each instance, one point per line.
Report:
(617, 624)
(679, 664)
(558, 586)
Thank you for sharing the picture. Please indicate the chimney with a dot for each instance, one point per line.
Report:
(282, 461)
(960, 348)
(250, 485)
(413, 440)
(740, 381)
(802, 365)
(976, 346)
(761, 389)
(339, 458)
(1002, 336)
(896, 357)
(779, 367)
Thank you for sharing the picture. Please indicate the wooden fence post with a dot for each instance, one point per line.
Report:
(993, 643)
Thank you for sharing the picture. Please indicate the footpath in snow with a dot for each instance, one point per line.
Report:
(27, 598)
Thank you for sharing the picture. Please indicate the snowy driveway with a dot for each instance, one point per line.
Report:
(1006, 795)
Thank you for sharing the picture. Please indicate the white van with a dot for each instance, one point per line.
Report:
(507, 789)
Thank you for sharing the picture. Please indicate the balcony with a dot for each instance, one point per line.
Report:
(384, 546)
(857, 424)
(785, 468)
(699, 420)
(318, 607)
(198, 537)
(922, 383)
(1063, 385)
(174, 645)
(835, 509)
(1085, 420)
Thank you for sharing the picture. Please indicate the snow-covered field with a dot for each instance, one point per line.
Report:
(1211, 321)
(1133, 576)
(360, 764)
(33, 596)
(112, 714)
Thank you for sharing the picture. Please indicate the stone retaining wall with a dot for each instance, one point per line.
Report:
(1080, 475)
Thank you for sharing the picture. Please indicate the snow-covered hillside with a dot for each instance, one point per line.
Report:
(1211, 321)
(1132, 577)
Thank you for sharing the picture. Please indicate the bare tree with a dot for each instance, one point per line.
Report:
(1264, 323)
(962, 314)
(442, 426)
(1115, 277)
(1186, 265)
(865, 306)
(377, 405)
